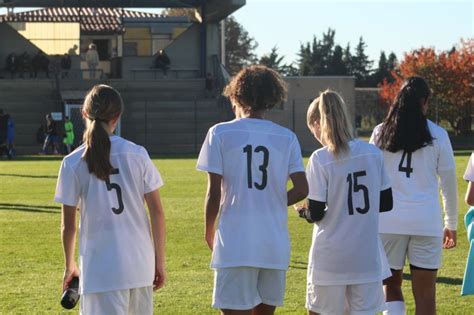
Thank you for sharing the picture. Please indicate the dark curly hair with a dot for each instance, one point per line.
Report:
(406, 127)
(256, 88)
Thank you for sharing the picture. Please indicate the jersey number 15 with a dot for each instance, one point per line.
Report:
(354, 187)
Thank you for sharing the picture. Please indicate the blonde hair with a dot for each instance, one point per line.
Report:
(336, 128)
(102, 104)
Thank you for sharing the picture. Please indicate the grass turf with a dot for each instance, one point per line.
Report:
(31, 261)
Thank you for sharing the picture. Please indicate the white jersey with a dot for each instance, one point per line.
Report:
(469, 173)
(414, 177)
(116, 250)
(346, 248)
(255, 158)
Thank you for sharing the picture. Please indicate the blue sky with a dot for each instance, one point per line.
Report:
(397, 26)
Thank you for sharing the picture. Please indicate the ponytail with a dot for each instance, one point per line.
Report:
(336, 129)
(101, 105)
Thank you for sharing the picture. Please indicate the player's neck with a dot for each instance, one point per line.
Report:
(254, 115)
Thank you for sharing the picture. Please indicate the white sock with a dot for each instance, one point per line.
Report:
(395, 308)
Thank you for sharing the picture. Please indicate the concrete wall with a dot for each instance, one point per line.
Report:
(51, 38)
(302, 90)
(11, 41)
(184, 52)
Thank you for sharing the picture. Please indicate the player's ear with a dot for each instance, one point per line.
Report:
(114, 120)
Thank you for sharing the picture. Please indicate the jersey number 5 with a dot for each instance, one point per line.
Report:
(118, 190)
(262, 168)
(355, 187)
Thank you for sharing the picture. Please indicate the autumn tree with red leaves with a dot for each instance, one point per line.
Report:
(450, 75)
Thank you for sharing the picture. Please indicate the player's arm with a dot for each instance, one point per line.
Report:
(211, 206)
(157, 218)
(299, 191)
(447, 180)
(68, 237)
(386, 200)
(469, 199)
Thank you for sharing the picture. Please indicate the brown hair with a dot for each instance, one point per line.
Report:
(256, 88)
(336, 128)
(102, 104)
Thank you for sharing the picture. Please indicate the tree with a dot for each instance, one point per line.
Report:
(239, 46)
(450, 75)
(337, 65)
(273, 60)
(360, 64)
(384, 69)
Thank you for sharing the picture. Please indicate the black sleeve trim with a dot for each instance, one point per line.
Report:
(386, 200)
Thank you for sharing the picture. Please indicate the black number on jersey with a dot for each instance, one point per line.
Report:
(118, 190)
(262, 168)
(408, 169)
(355, 187)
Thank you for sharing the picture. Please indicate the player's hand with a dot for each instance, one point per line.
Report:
(449, 239)
(210, 240)
(160, 276)
(304, 213)
(68, 275)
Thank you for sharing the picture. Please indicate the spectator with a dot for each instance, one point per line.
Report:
(69, 134)
(162, 62)
(40, 62)
(24, 64)
(3, 134)
(12, 64)
(92, 58)
(10, 136)
(209, 91)
(51, 136)
(66, 63)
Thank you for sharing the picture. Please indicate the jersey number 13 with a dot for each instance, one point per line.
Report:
(262, 168)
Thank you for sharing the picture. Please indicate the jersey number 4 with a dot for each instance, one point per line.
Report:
(117, 189)
(262, 168)
(405, 169)
(354, 187)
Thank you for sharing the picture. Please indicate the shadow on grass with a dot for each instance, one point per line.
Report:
(29, 208)
(299, 265)
(27, 176)
(444, 280)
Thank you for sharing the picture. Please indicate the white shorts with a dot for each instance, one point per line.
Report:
(353, 299)
(421, 251)
(243, 288)
(130, 301)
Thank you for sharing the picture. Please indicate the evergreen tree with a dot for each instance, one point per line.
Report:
(337, 65)
(274, 61)
(347, 58)
(361, 65)
(239, 46)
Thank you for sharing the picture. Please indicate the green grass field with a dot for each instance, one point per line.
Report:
(31, 261)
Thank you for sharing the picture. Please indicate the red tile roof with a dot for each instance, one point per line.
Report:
(104, 20)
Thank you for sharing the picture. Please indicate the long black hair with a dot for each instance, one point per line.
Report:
(406, 127)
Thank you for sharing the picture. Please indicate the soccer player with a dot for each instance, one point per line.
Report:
(248, 161)
(469, 176)
(348, 186)
(417, 153)
(109, 178)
